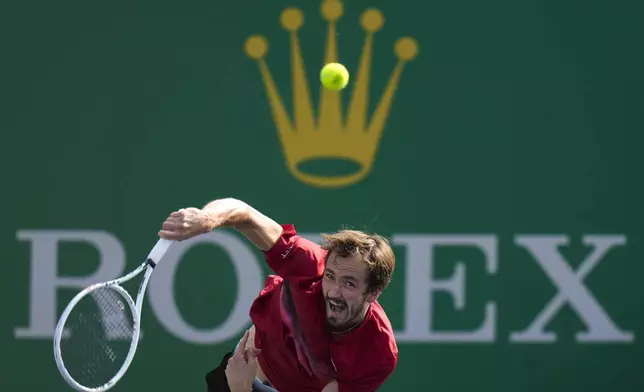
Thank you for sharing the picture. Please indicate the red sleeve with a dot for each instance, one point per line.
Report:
(293, 257)
(371, 380)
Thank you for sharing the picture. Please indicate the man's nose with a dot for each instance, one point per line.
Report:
(334, 292)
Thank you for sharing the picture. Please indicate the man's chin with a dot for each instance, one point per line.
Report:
(333, 325)
(335, 322)
(332, 320)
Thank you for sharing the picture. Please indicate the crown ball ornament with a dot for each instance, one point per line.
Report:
(256, 47)
(333, 134)
(372, 20)
(332, 10)
(292, 19)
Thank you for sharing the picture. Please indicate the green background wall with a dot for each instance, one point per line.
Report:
(518, 125)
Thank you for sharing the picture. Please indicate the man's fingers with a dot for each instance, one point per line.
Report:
(242, 345)
(252, 355)
(169, 235)
(171, 225)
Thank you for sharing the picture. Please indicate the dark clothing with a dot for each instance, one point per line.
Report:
(217, 382)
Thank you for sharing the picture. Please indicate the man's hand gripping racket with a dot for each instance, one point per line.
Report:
(98, 333)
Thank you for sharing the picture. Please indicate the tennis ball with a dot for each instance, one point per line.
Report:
(334, 76)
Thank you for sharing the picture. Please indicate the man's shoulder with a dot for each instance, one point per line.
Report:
(378, 318)
(372, 354)
(379, 332)
(295, 257)
(290, 240)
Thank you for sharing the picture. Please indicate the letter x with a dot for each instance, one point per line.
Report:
(571, 290)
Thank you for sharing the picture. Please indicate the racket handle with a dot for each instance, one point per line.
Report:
(157, 253)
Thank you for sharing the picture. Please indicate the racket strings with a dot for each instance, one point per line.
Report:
(97, 337)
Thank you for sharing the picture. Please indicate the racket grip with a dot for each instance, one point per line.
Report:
(157, 253)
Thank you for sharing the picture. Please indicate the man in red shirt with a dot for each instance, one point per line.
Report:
(317, 322)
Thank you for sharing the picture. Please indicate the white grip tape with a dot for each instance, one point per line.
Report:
(157, 253)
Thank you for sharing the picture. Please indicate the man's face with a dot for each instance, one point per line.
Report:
(345, 290)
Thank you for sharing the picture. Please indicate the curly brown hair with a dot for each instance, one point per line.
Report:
(374, 249)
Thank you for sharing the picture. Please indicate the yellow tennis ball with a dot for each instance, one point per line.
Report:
(334, 76)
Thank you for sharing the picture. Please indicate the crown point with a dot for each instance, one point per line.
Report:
(332, 10)
(372, 20)
(256, 47)
(406, 48)
(292, 19)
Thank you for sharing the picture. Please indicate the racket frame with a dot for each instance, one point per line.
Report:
(155, 255)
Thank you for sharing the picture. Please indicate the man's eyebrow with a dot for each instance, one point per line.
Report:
(345, 277)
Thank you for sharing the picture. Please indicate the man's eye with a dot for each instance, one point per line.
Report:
(350, 284)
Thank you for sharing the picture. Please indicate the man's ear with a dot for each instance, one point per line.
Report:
(373, 295)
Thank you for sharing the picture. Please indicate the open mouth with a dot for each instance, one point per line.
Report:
(335, 306)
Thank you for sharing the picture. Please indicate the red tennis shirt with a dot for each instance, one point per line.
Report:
(299, 353)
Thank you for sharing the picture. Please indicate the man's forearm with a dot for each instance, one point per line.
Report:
(255, 226)
(227, 213)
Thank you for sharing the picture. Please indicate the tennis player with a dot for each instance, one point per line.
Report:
(317, 323)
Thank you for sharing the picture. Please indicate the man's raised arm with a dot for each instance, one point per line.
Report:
(280, 244)
(257, 227)
(229, 212)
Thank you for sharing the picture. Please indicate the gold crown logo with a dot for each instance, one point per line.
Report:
(356, 138)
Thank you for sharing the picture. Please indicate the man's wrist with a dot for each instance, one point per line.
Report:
(209, 222)
(241, 388)
(236, 385)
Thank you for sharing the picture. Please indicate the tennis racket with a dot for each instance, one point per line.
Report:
(98, 332)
